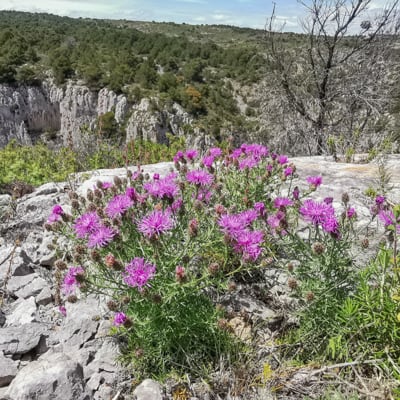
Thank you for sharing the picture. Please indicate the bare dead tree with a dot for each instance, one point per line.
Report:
(336, 83)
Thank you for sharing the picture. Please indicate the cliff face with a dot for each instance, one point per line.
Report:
(28, 112)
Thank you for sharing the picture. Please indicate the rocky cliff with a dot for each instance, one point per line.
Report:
(28, 112)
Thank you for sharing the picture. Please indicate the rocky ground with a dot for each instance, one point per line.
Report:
(44, 355)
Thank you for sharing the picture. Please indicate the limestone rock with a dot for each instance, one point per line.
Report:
(148, 390)
(13, 262)
(26, 286)
(53, 376)
(81, 323)
(8, 370)
(44, 297)
(24, 312)
(21, 339)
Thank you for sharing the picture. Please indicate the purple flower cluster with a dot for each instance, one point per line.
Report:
(101, 237)
(55, 215)
(314, 181)
(90, 226)
(138, 272)
(156, 223)
(389, 219)
(70, 282)
(245, 241)
(86, 224)
(282, 202)
(118, 205)
(163, 188)
(200, 178)
(320, 214)
(119, 318)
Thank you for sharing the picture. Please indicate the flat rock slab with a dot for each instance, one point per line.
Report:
(53, 376)
(13, 262)
(341, 177)
(21, 339)
(24, 312)
(148, 390)
(8, 370)
(27, 285)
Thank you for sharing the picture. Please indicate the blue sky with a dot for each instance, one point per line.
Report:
(246, 13)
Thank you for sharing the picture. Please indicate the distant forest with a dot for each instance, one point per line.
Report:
(177, 63)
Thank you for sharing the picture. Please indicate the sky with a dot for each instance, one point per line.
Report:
(243, 13)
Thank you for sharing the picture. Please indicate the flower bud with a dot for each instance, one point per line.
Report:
(72, 298)
(318, 248)
(180, 273)
(310, 297)
(292, 283)
(117, 181)
(213, 268)
(61, 265)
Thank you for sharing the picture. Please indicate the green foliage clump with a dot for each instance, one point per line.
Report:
(39, 164)
(35, 164)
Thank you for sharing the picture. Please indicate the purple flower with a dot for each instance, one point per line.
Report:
(119, 318)
(191, 154)
(288, 171)
(86, 224)
(248, 216)
(351, 212)
(70, 283)
(236, 153)
(55, 215)
(314, 181)
(256, 150)
(118, 205)
(269, 168)
(199, 177)
(328, 200)
(379, 200)
(248, 244)
(330, 224)
(163, 188)
(138, 272)
(57, 209)
(131, 193)
(101, 237)
(156, 177)
(215, 152)
(156, 223)
(320, 213)
(260, 208)
(282, 202)
(273, 222)
(207, 161)
(204, 195)
(388, 218)
(106, 185)
(248, 162)
(316, 212)
(282, 159)
(235, 223)
(231, 224)
(176, 205)
(178, 156)
(62, 310)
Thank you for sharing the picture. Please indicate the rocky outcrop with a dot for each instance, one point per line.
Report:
(26, 113)
(46, 355)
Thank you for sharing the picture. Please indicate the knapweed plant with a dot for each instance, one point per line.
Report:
(163, 248)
